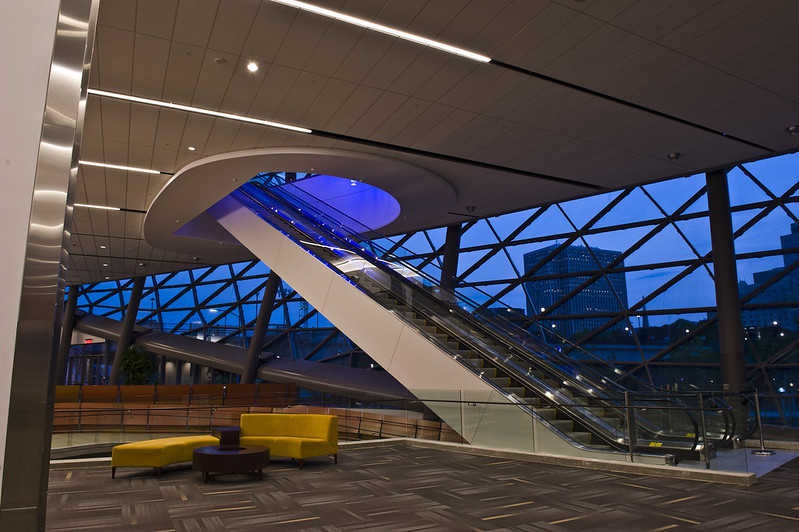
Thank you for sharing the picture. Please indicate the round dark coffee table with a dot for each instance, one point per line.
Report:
(230, 459)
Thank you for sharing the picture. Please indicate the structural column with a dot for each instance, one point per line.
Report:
(731, 334)
(51, 42)
(261, 324)
(449, 266)
(66, 336)
(127, 327)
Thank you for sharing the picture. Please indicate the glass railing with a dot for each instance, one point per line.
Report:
(588, 409)
(466, 417)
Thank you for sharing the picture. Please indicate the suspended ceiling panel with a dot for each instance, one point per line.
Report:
(581, 96)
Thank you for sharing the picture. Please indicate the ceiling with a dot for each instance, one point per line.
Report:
(580, 96)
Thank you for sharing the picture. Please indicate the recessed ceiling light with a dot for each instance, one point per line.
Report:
(105, 265)
(673, 156)
(96, 206)
(102, 246)
(120, 167)
(107, 277)
(198, 110)
(792, 130)
(191, 148)
(384, 29)
(252, 66)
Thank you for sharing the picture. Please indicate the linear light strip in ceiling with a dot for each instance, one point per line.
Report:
(96, 206)
(384, 29)
(120, 167)
(199, 110)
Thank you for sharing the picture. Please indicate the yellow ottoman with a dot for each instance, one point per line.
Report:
(158, 453)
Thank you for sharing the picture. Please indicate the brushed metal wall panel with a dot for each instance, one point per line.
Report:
(27, 451)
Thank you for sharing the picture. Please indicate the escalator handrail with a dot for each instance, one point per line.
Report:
(303, 206)
(519, 350)
(385, 270)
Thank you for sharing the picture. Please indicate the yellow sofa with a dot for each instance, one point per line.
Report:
(298, 436)
(158, 453)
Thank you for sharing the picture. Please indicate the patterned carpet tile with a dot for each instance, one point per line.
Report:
(407, 489)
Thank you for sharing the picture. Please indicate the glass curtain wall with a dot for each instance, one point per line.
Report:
(626, 276)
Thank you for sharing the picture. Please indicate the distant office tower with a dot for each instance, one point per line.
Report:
(596, 298)
(786, 289)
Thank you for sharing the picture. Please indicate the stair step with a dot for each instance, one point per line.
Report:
(502, 382)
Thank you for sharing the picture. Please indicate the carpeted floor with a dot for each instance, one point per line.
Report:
(403, 488)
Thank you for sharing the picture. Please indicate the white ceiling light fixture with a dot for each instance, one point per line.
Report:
(191, 148)
(198, 110)
(119, 167)
(105, 207)
(384, 29)
(252, 66)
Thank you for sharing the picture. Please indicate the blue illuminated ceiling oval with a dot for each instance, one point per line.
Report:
(347, 200)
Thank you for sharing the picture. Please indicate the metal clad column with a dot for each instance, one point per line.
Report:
(731, 333)
(66, 336)
(449, 266)
(45, 76)
(127, 327)
(261, 324)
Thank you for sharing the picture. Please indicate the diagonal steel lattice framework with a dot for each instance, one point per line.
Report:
(663, 328)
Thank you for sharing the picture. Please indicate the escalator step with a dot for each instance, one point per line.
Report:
(581, 437)
(563, 425)
(476, 362)
(547, 413)
(613, 422)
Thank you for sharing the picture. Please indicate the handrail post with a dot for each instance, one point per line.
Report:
(762, 451)
(705, 444)
(631, 439)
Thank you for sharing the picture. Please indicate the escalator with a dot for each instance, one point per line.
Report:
(398, 315)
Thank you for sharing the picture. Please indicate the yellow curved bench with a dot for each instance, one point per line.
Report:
(298, 436)
(158, 453)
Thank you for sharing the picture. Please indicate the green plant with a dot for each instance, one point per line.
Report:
(137, 366)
